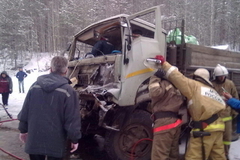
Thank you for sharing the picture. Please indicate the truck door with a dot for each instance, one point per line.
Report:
(136, 51)
(154, 23)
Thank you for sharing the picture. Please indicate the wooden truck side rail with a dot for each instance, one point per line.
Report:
(197, 55)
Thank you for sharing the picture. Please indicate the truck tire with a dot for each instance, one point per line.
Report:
(119, 145)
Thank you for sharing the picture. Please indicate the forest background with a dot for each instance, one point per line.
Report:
(29, 28)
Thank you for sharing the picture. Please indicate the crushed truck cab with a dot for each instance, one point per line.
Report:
(126, 69)
(113, 88)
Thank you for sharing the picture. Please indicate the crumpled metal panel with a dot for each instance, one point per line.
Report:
(103, 75)
(99, 80)
(99, 89)
(107, 73)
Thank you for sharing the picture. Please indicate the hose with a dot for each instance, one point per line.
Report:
(8, 120)
(135, 145)
(10, 154)
(9, 115)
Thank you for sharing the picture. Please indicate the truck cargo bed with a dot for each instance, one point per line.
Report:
(198, 56)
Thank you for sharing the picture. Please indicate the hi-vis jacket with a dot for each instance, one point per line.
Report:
(203, 101)
(165, 97)
(229, 86)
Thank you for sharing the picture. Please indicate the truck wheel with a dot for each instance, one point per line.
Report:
(119, 145)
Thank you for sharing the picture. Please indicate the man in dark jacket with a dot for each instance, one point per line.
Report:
(102, 47)
(20, 76)
(50, 115)
(5, 87)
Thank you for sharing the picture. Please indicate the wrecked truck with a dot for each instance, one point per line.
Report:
(113, 88)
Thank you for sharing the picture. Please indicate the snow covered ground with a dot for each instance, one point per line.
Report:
(16, 99)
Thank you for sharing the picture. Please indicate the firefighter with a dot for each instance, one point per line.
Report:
(166, 102)
(220, 80)
(204, 104)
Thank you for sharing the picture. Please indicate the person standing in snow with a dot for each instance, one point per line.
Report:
(5, 87)
(50, 115)
(21, 76)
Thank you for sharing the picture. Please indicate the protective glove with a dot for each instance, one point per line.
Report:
(23, 137)
(74, 147)
(161, 58)
(160, 73)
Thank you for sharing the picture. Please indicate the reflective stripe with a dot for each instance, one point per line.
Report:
(169, 71)
(156, 84)
(168, 126)
(63, 91)
(226, 142)
(212, 127)
(146, 70)
(225, 119)
(57, 89)
(35, 86)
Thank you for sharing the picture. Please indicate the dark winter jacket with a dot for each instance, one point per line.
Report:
(50, 114)
(21, 75)
(5, 83)
(102, 47)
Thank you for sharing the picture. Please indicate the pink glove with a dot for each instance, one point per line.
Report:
(23, 137)
(161, 58)
(74, 147)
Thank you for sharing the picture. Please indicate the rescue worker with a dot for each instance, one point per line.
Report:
(220, 80)
(102, 47)
(204, 104)
(166, 102)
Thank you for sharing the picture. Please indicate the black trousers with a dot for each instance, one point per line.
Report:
(42, 157)
(5, 98)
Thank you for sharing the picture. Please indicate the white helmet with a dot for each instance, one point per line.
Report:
(220, 70)
(203, 73)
